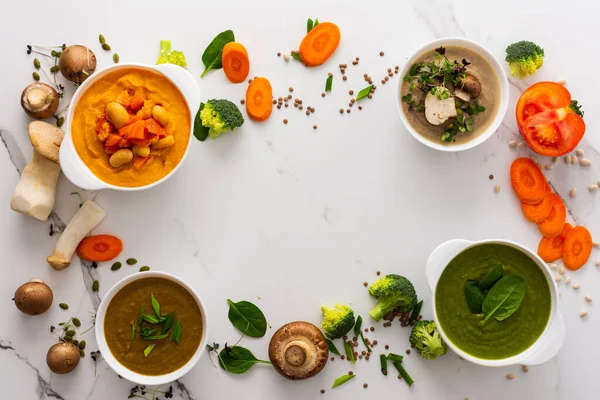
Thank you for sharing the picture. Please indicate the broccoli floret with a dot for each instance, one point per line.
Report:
(220, 116)
(427, 340)
(170, 57)
(394, 292)
(337, 321)
(524, 58)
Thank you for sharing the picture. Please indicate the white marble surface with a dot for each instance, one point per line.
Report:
(296, 216)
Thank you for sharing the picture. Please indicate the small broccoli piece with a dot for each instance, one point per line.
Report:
(394, 292)
(220, 116)
(168, 56)
(427, 340)
(337, 321)
(524, 58)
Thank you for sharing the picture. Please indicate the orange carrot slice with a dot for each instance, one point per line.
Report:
(551, 250)
(319, 44)
(527, 180)
(136, 102)
(577, 248)
(139, 162)
(236, 63)
(135, 131)
(552, 226)
(99, 248)
(259, 96)
(537, 212)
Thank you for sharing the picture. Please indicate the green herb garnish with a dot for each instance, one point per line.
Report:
(329, 83)
(176, 332)
(349, 352)
(342, 379)
(148, 349)
(492, 277)
(296, 55)
(309, 25)
(133, 326)
(150, 319)
(358, 332)
(332, 347)
(155, 305)
(364, 93)
(168, 322)
(474, 296)
(403, 373)
(407, 98)
(156, 337)
(212, 56)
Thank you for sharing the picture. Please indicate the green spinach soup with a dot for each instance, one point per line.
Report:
(492, 339)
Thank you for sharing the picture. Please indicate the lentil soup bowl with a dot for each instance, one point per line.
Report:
(526, 350)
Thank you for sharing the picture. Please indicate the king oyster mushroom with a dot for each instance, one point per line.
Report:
(298, 350)
(33, 297)
(438, 111)
(39, 100)
(77, 63)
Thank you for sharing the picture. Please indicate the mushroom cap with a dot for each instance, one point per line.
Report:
(39, 100)
(33, 297)
(77, 63)
(62, 358)
(46, 139)
(471, 85)
(298, 350)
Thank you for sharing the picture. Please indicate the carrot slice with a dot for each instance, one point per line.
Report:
(552, 226)
(99, 248)
(537, 212)
(135, 131)
(551, 250)
(136, 102)
(319, 44)
(527, 180)
(236, 63)
(139, 162)
(112, 140)
(259, 97)
(577, 248)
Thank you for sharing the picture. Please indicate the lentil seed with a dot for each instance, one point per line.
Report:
(323, 94)
(278, 54)
(322, 390)
(351, 92)
(285, 121)
(242, 101)
(341, 112)
(345, 77)
(365, 385)
(359, 108)
(525, 368)
(348, 111)
(381, 54)
(314, 127)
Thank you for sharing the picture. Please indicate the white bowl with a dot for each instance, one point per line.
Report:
(496, 67)
(73, 166)
(118, 367)
(551, 339)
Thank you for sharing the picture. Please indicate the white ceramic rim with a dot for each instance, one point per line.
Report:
(502, 80)
(121, 369)
(554, 312)
(81, 90)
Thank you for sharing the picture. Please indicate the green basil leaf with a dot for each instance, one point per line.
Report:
(329, 83)
(342, 379)
(247, 318)
(200, 131)
(309, 25)
(155, 305)
(211, 58)
(237, 360)
(332, 347)
(349, 352)
(364, 93)
(504, 298)
(492, 277)
(168, 322)
(148, 349)
(474, 296)
(358, 325)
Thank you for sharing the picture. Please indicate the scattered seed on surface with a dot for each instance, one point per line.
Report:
(341, 110)
(242, 101)
(285, 121)
(567, 280)
(381, 53)
(322, 390)
(491, 177)
(579, 153)
(554, 160)
(576, 286)
(286, 57)
(314, 127)
(562, 270)
(584, 162)
(588, 298)
(511, 375)
(548, 167)
(348, 111)
(106, 47)
(64, 306)
(583, 313)
(116, 266)
(323, 94)
(574, 160)
(593, 188)
(370, 96)
(596, 244)
(278, 54)
(76, 321)
(351, 92)
(525, 368)
(36, 76)
(496, 188)
(567, 159)
(512, 143)
(365, 385)
(145, 268)
(407, 351)
(96, 286)
(573, 192)
(553, 266)
(521, 145)
(131, 261)
(562, 81)
(345, 77)
(558, 278)
(366, 284)
(359, 108)
(597, 263)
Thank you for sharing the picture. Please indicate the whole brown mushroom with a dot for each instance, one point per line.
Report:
(62, 358)
(298, 350)
(77, 63)
(471, 85)
(33, 297)
(39, 100)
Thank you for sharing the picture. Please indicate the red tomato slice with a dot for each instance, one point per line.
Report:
(548, 125)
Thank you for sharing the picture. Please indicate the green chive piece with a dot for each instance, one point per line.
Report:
(349, 352)
(329, 83)
(384, 363)
(155, 304)
(342, 379)
(148, 349)
(364, 93)
(132, 330)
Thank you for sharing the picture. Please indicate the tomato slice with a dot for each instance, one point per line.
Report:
(548, 125)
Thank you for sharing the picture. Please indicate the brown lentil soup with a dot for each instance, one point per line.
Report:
(167, 356)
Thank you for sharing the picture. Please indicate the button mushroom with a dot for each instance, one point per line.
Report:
(471, 86)
(438, 111)
(298, 350)
(39, 100)
(464, 96)
(62, 358)
(84, 220)
(33, 297)
(77, 63)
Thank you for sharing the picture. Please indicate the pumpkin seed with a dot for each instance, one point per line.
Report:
(82, 353)
(95, 285)
(36, 76)
(101, 39)
(36, 63)
(116, 58)
(70, 332)
(105, 46)
(76, 342)
(64, 306)
(76, 322)
(116, 266)
(145, 268)
(60, 121)
(68, 339)
(82, 345)
(131, 261)
(585, 162)
(54, 69)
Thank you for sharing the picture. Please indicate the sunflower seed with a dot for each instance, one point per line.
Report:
(561, 270)
(588, 298)
(548, 167)
(567, 160)
(557, 278)
(574, 160)
(553, 266)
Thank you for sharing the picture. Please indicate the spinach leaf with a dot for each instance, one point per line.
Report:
(329, 83)
(238, 360)
(211, 58)
(200, 131)
(492, 277)
(309, 25)
(332, 347)
(504, 298)
(247, 318)
(364, 93)
(474, 296)
(342, 379)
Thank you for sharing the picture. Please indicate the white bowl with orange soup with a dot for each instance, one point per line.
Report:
(129, 126)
